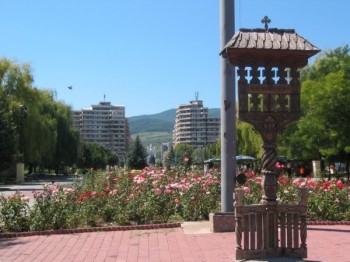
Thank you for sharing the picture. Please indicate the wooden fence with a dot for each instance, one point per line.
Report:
(271, 229)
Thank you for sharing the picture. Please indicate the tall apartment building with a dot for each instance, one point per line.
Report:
(193, 125)
(104, 124)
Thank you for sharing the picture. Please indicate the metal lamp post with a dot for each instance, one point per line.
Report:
(20, 161)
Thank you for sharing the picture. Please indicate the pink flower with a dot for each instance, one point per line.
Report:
(158, 191)
(68, 190)
(340, 184)
(176, 200)
(186, 160)
(113, 192)
(55, 190)
(258, 180)
(246, 189)
(168, 191)
(251, 174)
(337, 200)
(311, 183)
(297, 182)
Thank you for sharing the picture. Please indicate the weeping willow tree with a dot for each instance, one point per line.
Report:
(248, 141)
(44, 130)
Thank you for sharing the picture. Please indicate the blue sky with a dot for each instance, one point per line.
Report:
(148, 55)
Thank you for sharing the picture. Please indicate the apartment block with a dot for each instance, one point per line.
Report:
(193, 126)
(104, 124)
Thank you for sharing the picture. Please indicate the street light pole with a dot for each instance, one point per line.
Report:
(228, 110)
(20, 161)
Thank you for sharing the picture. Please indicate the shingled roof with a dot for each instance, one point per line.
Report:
(273, 41)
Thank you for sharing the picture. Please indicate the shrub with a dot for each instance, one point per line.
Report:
(14, 212)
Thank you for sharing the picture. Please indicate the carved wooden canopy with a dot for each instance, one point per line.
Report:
(268, 85)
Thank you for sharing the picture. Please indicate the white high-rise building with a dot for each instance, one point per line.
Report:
(193, 126)
(104, 124)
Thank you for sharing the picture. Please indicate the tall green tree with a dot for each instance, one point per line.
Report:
(170, 158)
(7, 135)
(137, 157)
(93, 155)
(324, 128)
(46, 133)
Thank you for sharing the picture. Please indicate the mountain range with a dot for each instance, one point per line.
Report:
(157, 128)
(161, 122)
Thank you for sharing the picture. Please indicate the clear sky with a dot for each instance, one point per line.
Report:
(148, 55)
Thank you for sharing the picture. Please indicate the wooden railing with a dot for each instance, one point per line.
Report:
(271, 229)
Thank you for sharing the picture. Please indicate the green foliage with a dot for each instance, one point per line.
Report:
(170, 158)
(154, 138)
(7, 135)
(47, 138)
(248, 142)
(182, 152)
(324, 128)
(137, 158)
(96, 156)
(55, 208)
(14, 213)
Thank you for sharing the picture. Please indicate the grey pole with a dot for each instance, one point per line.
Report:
(228, 110)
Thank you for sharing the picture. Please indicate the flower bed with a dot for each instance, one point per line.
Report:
(153, 196)
(327, 200)
(149, 196)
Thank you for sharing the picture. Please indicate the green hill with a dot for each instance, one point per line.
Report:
(161, 122)
(157, 129)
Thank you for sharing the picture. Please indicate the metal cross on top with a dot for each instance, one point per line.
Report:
(266, 20)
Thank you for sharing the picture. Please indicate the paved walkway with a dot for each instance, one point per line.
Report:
(192, 242)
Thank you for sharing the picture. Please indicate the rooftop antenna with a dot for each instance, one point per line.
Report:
(104, 97)
(196, 95)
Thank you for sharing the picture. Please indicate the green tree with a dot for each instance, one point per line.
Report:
(170, 158)
(183, 151)
(7, 135)
(137, 158)
(324, 128)
(248, 141)
(96, 156)
(199, 155)
(67, 139)
(47, 135)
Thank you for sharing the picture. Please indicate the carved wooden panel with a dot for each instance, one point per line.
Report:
(269, 98)
(272, 229)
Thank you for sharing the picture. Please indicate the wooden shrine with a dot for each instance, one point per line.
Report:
(268, 63)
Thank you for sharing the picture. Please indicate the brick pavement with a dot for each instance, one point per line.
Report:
(325, 243)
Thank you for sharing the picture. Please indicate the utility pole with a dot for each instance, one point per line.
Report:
(228, 110)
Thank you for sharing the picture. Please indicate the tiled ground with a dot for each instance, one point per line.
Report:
(325, 243)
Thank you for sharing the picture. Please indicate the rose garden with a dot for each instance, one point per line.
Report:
(155, 195)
